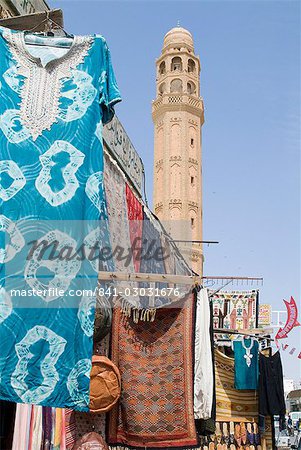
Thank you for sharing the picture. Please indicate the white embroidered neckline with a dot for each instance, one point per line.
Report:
(40, 92)
(248, 356)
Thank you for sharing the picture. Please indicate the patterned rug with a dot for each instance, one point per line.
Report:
(156, 364)
(235, 309)
(231, 404)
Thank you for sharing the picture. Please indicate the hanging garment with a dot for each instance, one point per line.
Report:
(57, 427)
(206, 427)
(270, 386)
(51, 164)
(203, 370)
(22, 427)
(37, 428)
(70, 428)
(47, 427)
(155, 360)
(246, 363)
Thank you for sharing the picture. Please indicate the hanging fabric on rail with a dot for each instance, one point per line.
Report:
(206, 427)
(246, 363)
(232, 404)
(135, 218)
(155, 360)
(203, 368)
(7, 419)
(236, 410)
(51, 116)
(236, 310)
(270, 386)
(22, 427)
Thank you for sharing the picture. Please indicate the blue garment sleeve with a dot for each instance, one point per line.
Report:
(109, 92)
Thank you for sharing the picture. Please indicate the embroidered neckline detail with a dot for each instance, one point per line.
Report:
(40, 92)
(248, 356)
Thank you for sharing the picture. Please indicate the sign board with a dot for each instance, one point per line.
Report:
(265, 315)
(30, 21)
(121, 148)
(30, 6)
(4, 13)
(23, 7)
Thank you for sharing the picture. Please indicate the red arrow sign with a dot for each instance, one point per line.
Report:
(292, 319)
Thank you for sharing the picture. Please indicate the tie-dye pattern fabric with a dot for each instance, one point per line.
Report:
(52, 109)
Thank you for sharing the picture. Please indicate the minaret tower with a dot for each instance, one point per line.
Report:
(178, 116)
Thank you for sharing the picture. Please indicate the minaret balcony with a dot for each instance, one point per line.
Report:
(176, 100)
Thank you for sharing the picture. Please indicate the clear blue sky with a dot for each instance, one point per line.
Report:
(250, 82)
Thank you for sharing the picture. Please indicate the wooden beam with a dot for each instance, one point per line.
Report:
(149, 277)
(251, 332)
(29, 21)
(163, 278)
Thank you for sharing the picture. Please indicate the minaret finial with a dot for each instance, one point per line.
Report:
(178, 24)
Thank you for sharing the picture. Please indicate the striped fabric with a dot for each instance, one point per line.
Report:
(236, 407)
(231, 404)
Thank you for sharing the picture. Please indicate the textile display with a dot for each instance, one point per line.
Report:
(7, 419)
(236, 310)
(203, 368)
(135, 217)
(246, 363)
(122, 205)
(236, 406)
(155, 360)
(170, 260)
(270, 386)
(119, 229)
(231, 404)
(206, 427)
(40, 427)
(22, 425)
(51, 114)
(115, 189)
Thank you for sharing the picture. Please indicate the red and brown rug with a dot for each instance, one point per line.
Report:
(156, 364)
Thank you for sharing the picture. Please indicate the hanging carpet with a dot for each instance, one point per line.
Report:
(232, 404)
(155, 360)
(235, 309)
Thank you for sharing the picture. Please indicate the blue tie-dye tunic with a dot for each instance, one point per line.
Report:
(54, 99)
